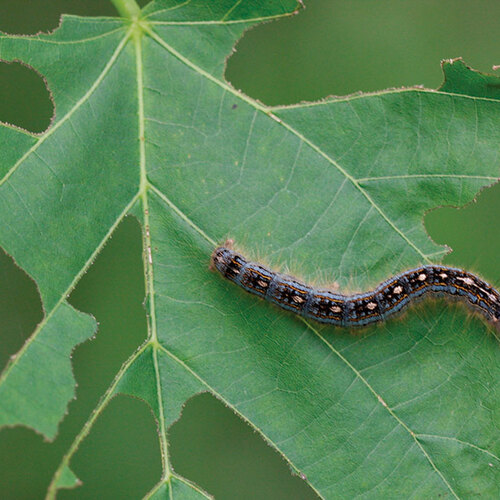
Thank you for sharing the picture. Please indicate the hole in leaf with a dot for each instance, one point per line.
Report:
(20, 308)
(338, 47)
(472, 233)
(24, 98)
(113, 292)
(121, 456)
(213, 447)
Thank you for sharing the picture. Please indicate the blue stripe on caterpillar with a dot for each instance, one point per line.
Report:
(327, 306)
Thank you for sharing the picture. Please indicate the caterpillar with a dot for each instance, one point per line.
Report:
(328, 306)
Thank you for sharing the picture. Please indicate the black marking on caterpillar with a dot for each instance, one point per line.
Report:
(327, 306)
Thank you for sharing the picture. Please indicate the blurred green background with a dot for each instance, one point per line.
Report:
(333, 47)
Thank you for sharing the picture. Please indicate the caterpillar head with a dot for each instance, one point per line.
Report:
(228, 262)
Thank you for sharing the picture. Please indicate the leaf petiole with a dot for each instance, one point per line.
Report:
(127, 8)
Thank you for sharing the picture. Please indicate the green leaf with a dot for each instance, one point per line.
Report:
(145, 124)
(67, 479)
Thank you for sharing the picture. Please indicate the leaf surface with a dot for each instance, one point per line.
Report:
(145, 124)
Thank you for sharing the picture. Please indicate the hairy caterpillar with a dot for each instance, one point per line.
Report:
(360, 309)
